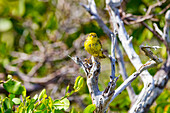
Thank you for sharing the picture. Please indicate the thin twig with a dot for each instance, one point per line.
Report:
(122, 71)
(38, 43)
(157, 29)
(131, 78)
(42, 80)
(166, 33)
(112, 57)
(155, 33)
(78, 61)
(155, 61)
(159, 3)
(165, 9)
(150, 54)
(35, 68)
(95, 16)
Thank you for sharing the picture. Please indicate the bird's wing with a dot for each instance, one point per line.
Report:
(100, 44)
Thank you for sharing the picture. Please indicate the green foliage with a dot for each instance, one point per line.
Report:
(163, 107)
(163, 103)
(77, 86)
(90, 108)
(78, 83)
(6, 105)
(61, 104)
(14, 87)
(42, 94)
(5, 24)
(39, 103)
(120, 104)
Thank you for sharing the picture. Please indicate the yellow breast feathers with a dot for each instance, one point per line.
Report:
(93, 46)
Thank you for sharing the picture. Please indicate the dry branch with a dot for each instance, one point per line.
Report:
(118, 26)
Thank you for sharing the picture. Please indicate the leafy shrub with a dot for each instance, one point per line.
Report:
(39, 103)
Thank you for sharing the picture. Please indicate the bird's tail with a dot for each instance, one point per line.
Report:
(101, 55)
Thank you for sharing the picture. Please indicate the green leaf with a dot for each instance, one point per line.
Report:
(30, 104)
(21, 108)
(42, 106)
(21, 8)
(14, 87)
(8, 38)
(161, 107)
(42, 94)
(35, 97)
(163, 51)
(5, 24)
(9, 77)
(67, 89)
(78, 83)
(61, 104)
(90, 108)
(24, 92)
(11, 96)
(52, 22)
(7, 105)
(38, 111)
(168, 111)
(16, 101)
(30, 108)
(50, 102)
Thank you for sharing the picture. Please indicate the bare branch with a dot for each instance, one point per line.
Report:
(78, 61)
(114, 3)
(23, 37)
(140, 19)
(35, 68)
(166, 34)
(122, 71)
(95, 16)
(157, 29)
(164, 10)
(150, 54)
(161, 78)
(38, 43)
(112, 57)
(145, 66)
(134, 58)
(123, 37)
(159, 3)
(42, 80)
(129, 80)
(98, 98)
(155, 33)
(133, 19)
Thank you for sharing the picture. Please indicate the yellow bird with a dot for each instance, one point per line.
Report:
(93, 46)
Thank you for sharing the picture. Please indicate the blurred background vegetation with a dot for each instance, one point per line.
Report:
(36, 37)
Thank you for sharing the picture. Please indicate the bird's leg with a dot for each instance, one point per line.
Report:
(96, 59)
